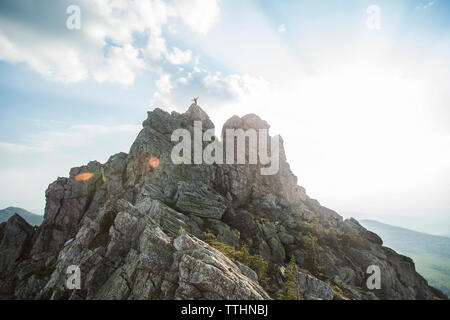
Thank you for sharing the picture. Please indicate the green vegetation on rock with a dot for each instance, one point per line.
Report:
(292, 284)
(311, 255)
(242, 255)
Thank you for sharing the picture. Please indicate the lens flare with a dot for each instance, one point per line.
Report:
(83, 176)
(154, 162)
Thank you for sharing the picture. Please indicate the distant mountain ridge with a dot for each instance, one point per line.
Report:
(31, 218)
(430, 253)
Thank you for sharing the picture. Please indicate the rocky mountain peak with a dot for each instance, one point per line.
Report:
(249, 121)
(194, 112)
(142, 227)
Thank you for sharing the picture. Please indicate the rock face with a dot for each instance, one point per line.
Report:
(314, 289)
(137, 233)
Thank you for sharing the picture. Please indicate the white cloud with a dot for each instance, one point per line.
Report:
(104, 48)
(235, 86)
(121, 65)
(172, 29)
(162, 98)
(182, 80)
(429, 4)
(156, 47)
(426, 5)
(179, 56)
(57, 62)
(161, 101)
(199, 15)
(15, 148)
(282, 28)
(163, 84)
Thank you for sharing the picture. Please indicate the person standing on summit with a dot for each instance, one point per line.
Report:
(195, 100)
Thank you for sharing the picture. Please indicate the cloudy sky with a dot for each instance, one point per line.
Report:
(357, 89)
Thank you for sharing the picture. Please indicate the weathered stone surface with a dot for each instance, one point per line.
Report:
(198, 199)
(210, 274)
(313, 288)
(246, 271)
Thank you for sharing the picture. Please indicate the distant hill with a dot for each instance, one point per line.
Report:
(430, 253)
(31, 218)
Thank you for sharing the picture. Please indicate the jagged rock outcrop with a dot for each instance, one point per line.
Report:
(136, 231)
(15, 235)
